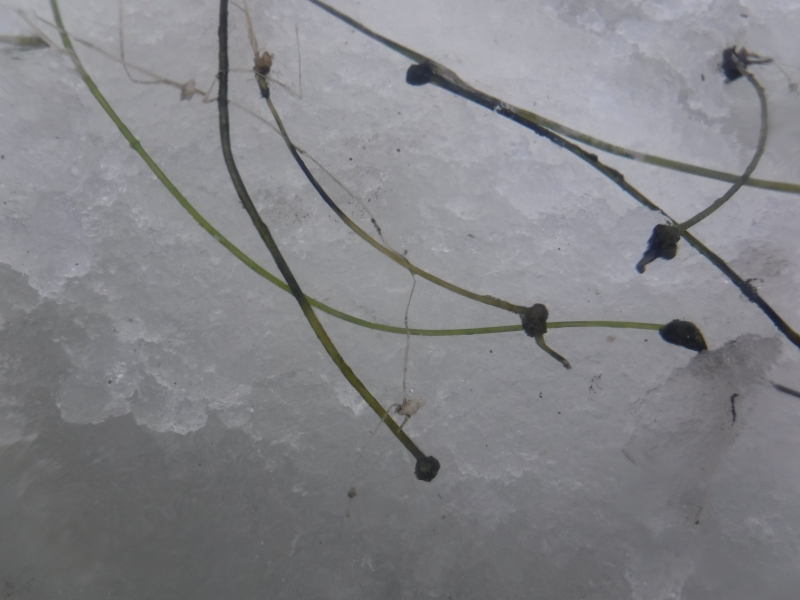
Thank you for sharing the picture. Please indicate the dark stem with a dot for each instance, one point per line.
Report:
(762, 142)
(430, 71)
(266, 236)
(501, 108)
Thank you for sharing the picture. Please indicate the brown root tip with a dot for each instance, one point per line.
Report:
(683, 333)
(427, 468)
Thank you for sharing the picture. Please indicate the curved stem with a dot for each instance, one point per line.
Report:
(269, 241)
(27, 42)
(762, 141)
(408, 337)
(400, 260)
(441, 76)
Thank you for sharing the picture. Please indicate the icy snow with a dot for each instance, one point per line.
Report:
(170, 426)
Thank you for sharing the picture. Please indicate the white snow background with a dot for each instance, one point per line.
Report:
(170, 426)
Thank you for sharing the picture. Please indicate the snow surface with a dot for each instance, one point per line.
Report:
(171, 428)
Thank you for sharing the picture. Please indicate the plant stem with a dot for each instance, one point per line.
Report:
(658, 161)
(283, 267)
(443, 77)
(446, 81)
(762, 141)
(399, 259)
(252, 264)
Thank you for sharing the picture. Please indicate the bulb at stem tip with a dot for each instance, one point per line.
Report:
(419, 74)
(427, 468)
(534, 323)
(534, 320)
(685, 334)
(663, 243)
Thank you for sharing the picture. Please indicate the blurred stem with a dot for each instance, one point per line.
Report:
(25, 42)
(532, 117)
(252, 264)
(762, 141)
(446, 79)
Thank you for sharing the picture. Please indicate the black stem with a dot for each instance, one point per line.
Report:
(423, 469)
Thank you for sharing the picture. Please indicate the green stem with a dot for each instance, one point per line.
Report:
(26, 42)
(614, 324)
(441, 76)
(658, 161)
(447, 81)
(762, 142)
(252, 264)
(269, 241)
(543, 345)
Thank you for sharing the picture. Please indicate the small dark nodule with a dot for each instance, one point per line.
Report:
(730, 56)
(683, 333)
(534, 320)
(663, 243)
(728, 66)
(749, 290)
(419, 74)
(426, 468)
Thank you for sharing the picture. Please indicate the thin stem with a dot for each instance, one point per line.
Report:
(762, 141)
(27, 42)
(543, 345)
(266, 236)
(786, 390)
(299, 60)
(121, 26)
(430, 71)
(745, 287)
(658, 161)
(252, 264)
(399, 259)
(347, 191)
(408, 337)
